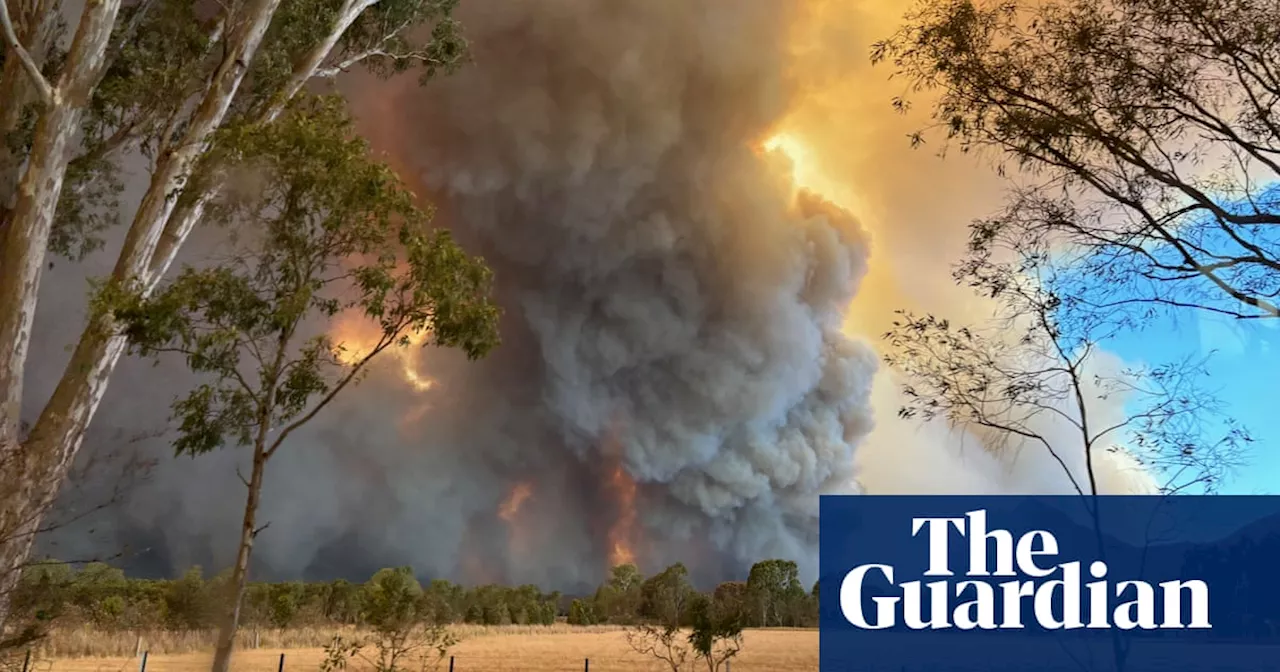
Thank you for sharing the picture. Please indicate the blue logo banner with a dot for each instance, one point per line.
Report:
(1110, 583)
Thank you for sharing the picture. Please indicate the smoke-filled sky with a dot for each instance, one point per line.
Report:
(688, 357)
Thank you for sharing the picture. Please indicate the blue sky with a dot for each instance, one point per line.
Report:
(1244, 360)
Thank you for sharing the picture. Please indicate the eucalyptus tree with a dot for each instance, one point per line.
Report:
(159, 78)
(329, 231)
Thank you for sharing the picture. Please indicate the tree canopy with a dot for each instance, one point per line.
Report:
(1143, 152)
(1147, 130)
(177, 84)
(323, 229)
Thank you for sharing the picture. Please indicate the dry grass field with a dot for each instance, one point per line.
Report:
(494, 649)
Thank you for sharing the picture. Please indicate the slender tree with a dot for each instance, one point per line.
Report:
(619, 599)
(716, 636)
(664, 604)
(160, 77)
(1031, 378)
(664, 643)
(1144, 136)
(402, 637)
(331, 231)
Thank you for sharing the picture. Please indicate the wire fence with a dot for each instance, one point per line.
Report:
(454, 663)
(487, 650)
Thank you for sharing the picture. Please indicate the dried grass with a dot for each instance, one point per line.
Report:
(83, 642)
(483, 649)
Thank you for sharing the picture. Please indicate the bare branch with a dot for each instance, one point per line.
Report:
(48, 95)
(384, 342)
(1124, 102)
(348, 63)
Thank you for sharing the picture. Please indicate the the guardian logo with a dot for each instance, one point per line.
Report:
(1053, 596)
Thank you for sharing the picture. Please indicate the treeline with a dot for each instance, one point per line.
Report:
(772, 596)
(102, 597)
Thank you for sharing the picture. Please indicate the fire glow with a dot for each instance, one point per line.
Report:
(807, 173)
(511, 505)
(355, 338)
(800, 169)
(509, 511)
(622, 534)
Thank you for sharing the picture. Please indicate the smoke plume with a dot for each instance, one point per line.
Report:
(672, 310)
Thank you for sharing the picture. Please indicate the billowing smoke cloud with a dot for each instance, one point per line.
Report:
(915, 205)
(669, 307)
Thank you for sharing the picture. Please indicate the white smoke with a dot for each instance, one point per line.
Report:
(909, 457)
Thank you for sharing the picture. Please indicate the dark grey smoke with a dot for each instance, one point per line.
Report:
(667, 309)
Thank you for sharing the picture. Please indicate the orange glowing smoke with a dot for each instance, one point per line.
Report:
(807, 172)
(518, 537)
(623, 533)
(511, 505)
(847, 143)
(354, 337)
(880, 292)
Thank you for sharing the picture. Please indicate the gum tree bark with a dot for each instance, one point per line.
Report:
(168, 212)
(35, 468)
(26, 488)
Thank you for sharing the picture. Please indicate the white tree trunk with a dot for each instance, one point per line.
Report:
(347, 15)
(174, 168)
(14, 87)
(159, 228)
(25, 487)
(187, 215)
(26, 242)
(40, 465)
(33, 24)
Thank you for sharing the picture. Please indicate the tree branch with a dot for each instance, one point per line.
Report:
(48, 95)
(387, 340)
(334, 71)
(130, 30)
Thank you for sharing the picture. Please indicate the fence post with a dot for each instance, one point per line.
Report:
(281, 668)
(142, 666)
(137, 645)
(586, 665)
(27, 662)
(450, 663)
